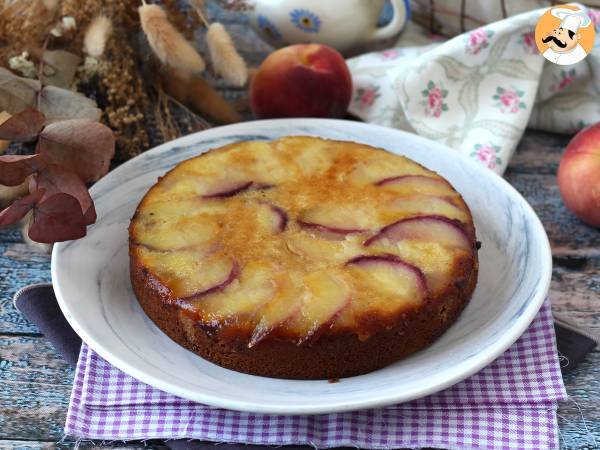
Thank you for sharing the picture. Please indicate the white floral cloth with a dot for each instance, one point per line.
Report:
(478, 91)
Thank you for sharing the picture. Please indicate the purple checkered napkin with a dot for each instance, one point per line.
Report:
(511, 404)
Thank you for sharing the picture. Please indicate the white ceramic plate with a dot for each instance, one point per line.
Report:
(91, 280)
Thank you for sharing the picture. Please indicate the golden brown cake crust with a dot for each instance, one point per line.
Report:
(332, 357)
(334, 352)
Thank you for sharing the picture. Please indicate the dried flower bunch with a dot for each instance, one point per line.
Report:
(97, 47)
(67, 65)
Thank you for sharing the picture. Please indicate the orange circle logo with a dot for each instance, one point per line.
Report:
(565, 34)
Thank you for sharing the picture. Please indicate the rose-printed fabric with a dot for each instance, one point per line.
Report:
(434, 99)
(487, 154)
(509, 100)
(478, 91)
(477, 40)
(365, 97)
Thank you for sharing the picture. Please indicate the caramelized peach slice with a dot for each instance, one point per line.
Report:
(190, 274)
(263, 163)
(337, 219)
(372, 171)
(271, 217)
(417, 184)
(326, 295)
(424, 228)
(433, 242)
(225, 188)
(198, 231)
(306, 157)
(243, 297)
(395, 280)
(321, 248)
(424, 205)
(283, 306)
(168, 208)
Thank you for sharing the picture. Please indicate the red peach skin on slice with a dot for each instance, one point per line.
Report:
(392, 277)
(255, 288)
(329, 232)
(335, 219)
(429, 228)
(417, 184)
(426, 205)
(272, 217)
(224, 189)
(189, 273)
(372, 171)
(216, 276)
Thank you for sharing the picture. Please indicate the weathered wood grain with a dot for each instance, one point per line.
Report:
(568, 235)
(36, 386)
(579, 416)
(33, 410)
(583, 384)
(29, 445)
(575, 291)
(30, 359)
(20, 265)
(539, 153)
(42, 445)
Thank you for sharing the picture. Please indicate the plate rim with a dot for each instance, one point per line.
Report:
(502, 344)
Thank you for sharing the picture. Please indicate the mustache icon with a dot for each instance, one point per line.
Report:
(556, 41)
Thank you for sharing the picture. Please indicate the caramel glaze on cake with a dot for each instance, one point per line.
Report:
(302, 257)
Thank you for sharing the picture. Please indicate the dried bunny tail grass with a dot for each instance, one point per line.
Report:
(96, 36)
(226, 60)
(51, 5)
(167, 43)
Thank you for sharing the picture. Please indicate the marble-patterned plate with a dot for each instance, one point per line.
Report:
(91, 280)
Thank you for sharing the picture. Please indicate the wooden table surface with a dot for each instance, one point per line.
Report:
(35, 383)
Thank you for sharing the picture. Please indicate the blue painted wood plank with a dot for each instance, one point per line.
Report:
(20, 265)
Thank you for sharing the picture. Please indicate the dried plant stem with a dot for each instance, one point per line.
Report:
(199, 96)
(198, 9)
(40, 73)
(164, 119)
(4, 116)
(202, 124)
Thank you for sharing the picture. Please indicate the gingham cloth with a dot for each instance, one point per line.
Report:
(511, 404)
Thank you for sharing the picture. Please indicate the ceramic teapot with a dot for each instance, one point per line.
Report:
(342, 24)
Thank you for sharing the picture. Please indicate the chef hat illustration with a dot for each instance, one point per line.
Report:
(571, 19)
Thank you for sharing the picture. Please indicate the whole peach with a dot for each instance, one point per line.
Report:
(303, 80)
(579, 175)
